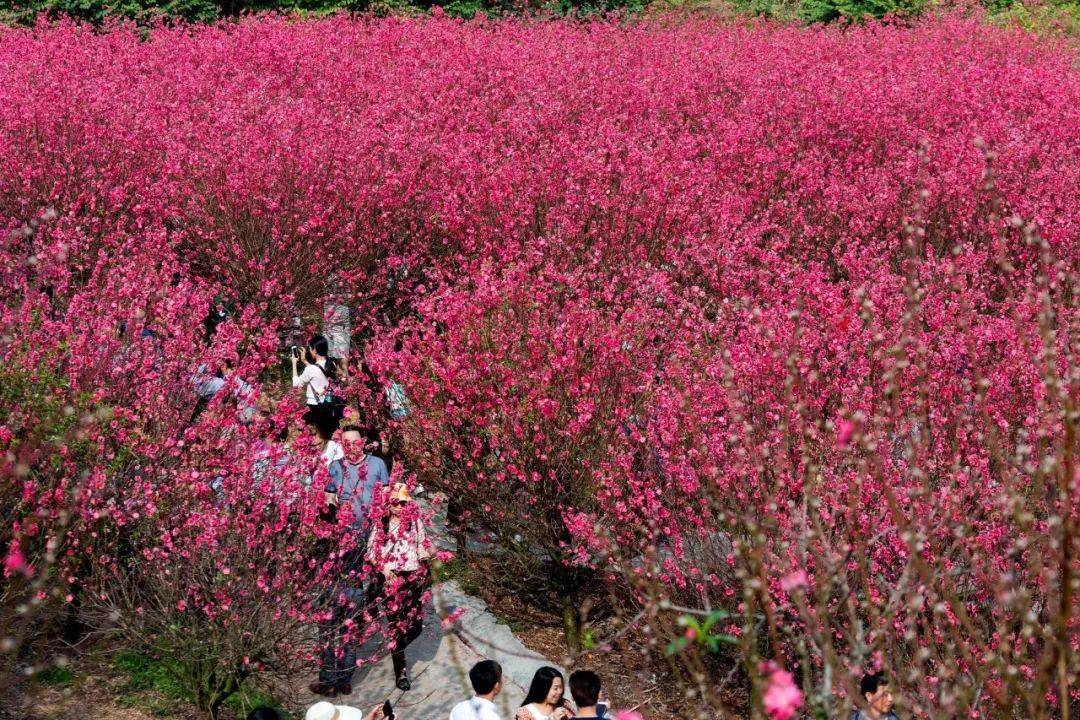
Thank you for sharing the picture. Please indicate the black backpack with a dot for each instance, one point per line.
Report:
(330, 403)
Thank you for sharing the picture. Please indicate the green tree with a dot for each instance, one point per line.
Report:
(98, 10)
(820, 11)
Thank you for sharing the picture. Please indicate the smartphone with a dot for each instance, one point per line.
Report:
(388, 710)
(601, 709)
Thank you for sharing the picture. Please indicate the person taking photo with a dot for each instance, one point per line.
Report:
(316, 377)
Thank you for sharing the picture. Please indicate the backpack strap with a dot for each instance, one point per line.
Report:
(329, 381)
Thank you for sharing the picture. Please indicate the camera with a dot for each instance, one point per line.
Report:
(297, 351)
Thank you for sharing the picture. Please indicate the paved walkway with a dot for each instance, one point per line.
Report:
(439, 663)
(439, 660)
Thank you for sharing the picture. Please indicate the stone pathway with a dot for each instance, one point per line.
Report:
(439, 660)
(439, 663)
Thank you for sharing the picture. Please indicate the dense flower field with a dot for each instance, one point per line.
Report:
(769, 327)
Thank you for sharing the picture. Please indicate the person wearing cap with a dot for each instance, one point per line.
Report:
(399, 549)
(329, 711)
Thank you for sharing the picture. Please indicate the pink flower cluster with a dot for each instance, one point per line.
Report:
(782, 698)
(769, 319)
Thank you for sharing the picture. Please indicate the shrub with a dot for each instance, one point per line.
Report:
(1049, 18)
(763, 326)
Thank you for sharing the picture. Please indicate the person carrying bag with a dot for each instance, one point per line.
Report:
(317, 379)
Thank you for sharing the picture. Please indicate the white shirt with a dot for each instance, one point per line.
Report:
(476, 709)
(206, 383)
(314, 382)
(332, 452)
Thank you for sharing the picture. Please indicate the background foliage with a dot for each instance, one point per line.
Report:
(767, 327)
(1040, 14)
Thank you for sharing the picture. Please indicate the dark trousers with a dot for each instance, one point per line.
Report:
(346, 600)
(404, 612)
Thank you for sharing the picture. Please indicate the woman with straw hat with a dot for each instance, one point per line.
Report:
(398, 549)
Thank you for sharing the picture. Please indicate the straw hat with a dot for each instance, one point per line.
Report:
(400, 493)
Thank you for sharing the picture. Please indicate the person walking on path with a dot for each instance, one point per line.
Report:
(875, 689)
(355, 476)
(354, 480)
(487, 682)
(545, 699)
(399, 549)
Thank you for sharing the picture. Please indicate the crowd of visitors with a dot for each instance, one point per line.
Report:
(358, 464)
(545, 699)
(385, 572)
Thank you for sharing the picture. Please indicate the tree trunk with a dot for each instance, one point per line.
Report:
(572, 625)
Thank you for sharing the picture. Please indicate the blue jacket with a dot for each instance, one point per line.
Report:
(357, 491)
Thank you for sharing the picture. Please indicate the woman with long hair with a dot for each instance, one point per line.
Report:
(316, 378)
(545, 700)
